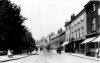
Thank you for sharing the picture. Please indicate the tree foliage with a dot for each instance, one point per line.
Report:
(13, 34)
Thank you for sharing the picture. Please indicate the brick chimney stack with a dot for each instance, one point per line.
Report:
(72, 16)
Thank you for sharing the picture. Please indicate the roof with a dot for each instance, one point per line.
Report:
(54, 36)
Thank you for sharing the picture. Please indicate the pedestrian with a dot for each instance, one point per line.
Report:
(36, 49)
(9, 54)
(59, 50)
(97, 51)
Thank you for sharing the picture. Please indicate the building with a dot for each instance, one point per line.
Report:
(67, 31)
(93, 26)
(84, 26)
(78, 30)
(57, 40)
(54, 41)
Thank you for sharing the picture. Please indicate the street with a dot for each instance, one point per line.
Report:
(53, 57)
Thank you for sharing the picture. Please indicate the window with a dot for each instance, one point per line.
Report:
(82, 32)
(79, 18)
(79, 32)
(72, 34)
(71, 24)
(67, 28)
(69, 37)
(94, 7)
(93, 24)
(99, 11)
(76, 34)
(82, 17)
(76, 21)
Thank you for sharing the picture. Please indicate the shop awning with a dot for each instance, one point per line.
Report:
(97, 39)
(88, 40)
(64, 43)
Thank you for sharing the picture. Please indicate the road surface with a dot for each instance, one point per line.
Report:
(53, 57)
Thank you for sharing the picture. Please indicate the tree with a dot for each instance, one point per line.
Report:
(13, 35)
(11, 28)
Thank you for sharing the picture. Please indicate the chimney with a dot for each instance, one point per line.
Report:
(72, 16)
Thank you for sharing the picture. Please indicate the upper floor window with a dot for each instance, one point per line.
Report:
(82, 32)
(66, 29)
(99, 11)
(82, 17)
(75, 22)
(93, 24)
(75, 35)
(72, 24)
(69, 27)
(94, 8)
(79, 33)
(72, 34)
(78, 19)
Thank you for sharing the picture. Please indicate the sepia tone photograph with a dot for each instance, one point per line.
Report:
(49, 31)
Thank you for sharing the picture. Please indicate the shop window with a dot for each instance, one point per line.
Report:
(92, 45)
(96, 45)
(82, 46)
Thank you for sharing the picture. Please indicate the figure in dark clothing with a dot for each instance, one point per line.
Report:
(36, 48)
(58, 50)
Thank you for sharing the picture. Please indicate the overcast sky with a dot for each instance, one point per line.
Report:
(46, 16)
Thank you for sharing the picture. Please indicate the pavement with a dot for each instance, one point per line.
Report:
(79, 55)
(5, 58)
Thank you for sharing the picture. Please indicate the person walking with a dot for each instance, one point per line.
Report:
(9, 54)
(59, 50)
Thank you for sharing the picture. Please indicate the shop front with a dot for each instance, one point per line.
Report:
(97, 46)
(77, 46)
(64, 46)
(87, 46)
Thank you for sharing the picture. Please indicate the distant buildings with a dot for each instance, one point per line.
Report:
(57, 39)
(80, 31)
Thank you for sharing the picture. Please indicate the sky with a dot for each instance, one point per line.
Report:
(46, 16)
